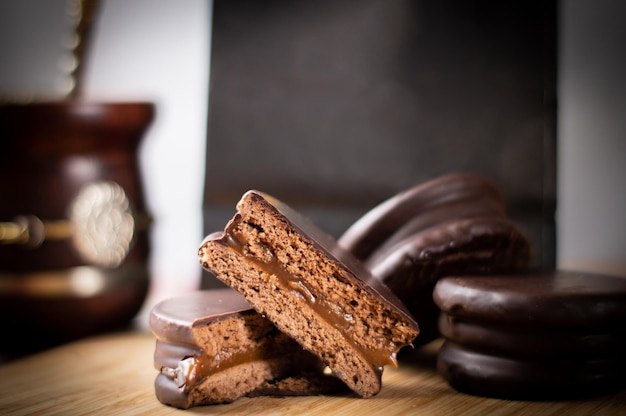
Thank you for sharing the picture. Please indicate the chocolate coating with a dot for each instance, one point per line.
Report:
(170, 354)
(411, 268)
(453, 224)
(531, 342)
(168, 393)
(172, 319)
(481, 244)
(382, 221)
(550, 298)
(495, 376)
(478, 207)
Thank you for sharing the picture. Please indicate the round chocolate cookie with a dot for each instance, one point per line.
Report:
(453, 224)
(547, 335)
(496, 376)
(552, 298)
(411, 268)
(526, 341)
(457, 192)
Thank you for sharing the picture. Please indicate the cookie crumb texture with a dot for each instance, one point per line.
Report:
(306, 294)
(237, 355)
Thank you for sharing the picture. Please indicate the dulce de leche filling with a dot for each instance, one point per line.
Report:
(330, 312)
(192, 370)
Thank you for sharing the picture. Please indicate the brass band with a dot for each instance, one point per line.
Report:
(31, 231)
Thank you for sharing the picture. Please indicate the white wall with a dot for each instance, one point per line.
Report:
(159, 50)
(591, 218)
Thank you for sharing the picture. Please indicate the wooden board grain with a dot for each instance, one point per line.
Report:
(113, 374)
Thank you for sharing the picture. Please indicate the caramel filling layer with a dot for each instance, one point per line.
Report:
(192, 370)
(330, 312)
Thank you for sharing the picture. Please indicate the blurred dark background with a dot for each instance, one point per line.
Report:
(335, 106)
(348, 102)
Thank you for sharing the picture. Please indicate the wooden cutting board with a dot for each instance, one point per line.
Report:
(113, 374)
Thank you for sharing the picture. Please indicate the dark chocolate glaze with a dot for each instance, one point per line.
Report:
(482, 243)
(411, 268)
(173, 319)
(551, 298)
(382, 221)
(168, 393)
(480, 206)
(453, 224)
(501, 377)
(170, 354)
(531, 341)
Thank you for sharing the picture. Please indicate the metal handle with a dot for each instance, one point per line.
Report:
(29, 230)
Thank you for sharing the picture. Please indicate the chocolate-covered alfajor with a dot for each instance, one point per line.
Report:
(213, 347)
(297, 276)
(534, 335)
(453, 224)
